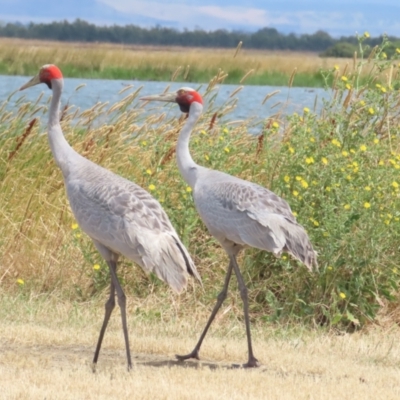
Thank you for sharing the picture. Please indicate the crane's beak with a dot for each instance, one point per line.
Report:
(168, 97)
(34, 81)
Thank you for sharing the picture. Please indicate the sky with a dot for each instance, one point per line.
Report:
(337, 17)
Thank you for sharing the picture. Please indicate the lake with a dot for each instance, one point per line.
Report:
(98, 90)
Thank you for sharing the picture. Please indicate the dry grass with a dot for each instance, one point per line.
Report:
(46, 350)
(16, 54)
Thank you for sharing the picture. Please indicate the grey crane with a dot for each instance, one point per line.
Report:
(119, 216)
(237, 213)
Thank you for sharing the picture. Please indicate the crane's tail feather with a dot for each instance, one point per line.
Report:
(298, 244)
(170, 261)
(278, 234)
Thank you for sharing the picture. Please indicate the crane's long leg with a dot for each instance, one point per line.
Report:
(110, 304)
(253, 362)
(122, 305)
(220, 299)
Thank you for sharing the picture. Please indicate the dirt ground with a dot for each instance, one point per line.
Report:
(48, 356)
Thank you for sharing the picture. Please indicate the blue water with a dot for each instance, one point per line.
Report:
(101, 90)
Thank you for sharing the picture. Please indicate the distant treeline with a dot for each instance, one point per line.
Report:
(265, 38)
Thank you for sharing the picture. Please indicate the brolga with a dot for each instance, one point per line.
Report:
(237, 213)
(119, 216)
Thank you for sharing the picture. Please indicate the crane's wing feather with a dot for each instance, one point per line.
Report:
(127, 220)
(248, 214)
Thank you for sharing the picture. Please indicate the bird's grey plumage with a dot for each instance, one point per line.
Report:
(127, 220)
(244, 213)
(119, 216)
(237, 213)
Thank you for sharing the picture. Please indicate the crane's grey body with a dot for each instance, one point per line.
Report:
(240, 213)
(123, 218)
(243, 214)
(119, 216)
(237, 213)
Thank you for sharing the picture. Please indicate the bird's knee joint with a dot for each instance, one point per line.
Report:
(110, 304)
(222, 296)
(243, 292)
(122, 299)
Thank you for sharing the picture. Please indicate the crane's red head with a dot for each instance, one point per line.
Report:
(46, 74)
(184, 97)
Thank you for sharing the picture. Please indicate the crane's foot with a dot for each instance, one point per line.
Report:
(252, 363)
(194, 354)
(94, 365)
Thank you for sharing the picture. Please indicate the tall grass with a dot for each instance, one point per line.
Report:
(23, 57)
(339, 171)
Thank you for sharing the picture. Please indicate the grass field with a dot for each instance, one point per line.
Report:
(23, 57)
(47, 345)
(338, 170)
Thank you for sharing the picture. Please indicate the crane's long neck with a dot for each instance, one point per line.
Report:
(187, 167)
(60, 148)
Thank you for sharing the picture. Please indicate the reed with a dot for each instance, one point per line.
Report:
(23, 57)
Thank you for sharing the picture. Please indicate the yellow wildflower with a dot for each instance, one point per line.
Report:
(225, 130)
(312, 140)
(291, 150)
(294, 213)
(336, 142)
(275, 125)
(144, 143)
(74, 226)
(395, 184)
(309, 160)
(203, 132)
(304, 184)
(345, 153)
(381, 162)
(371, 111)
(188, 189)
(367, 205)
(348, 86)
(376, 140)
(206, 157)
(367, 188)
(363, 147)
(306, 110)
(324, 160)
(344, 78)
(298, 178)
(328, 189)
(336, 67)
(342, 295)
(284, 257)
(148, 171)
(286, 178)
(366, 34)
(295, 193)
(397, 50)
(20, 281)
(226, 150)
(347, 206)
(96, 267)
(78, 235)
(362, 103)
(152, 187)
(383, 89)
(352, 151)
